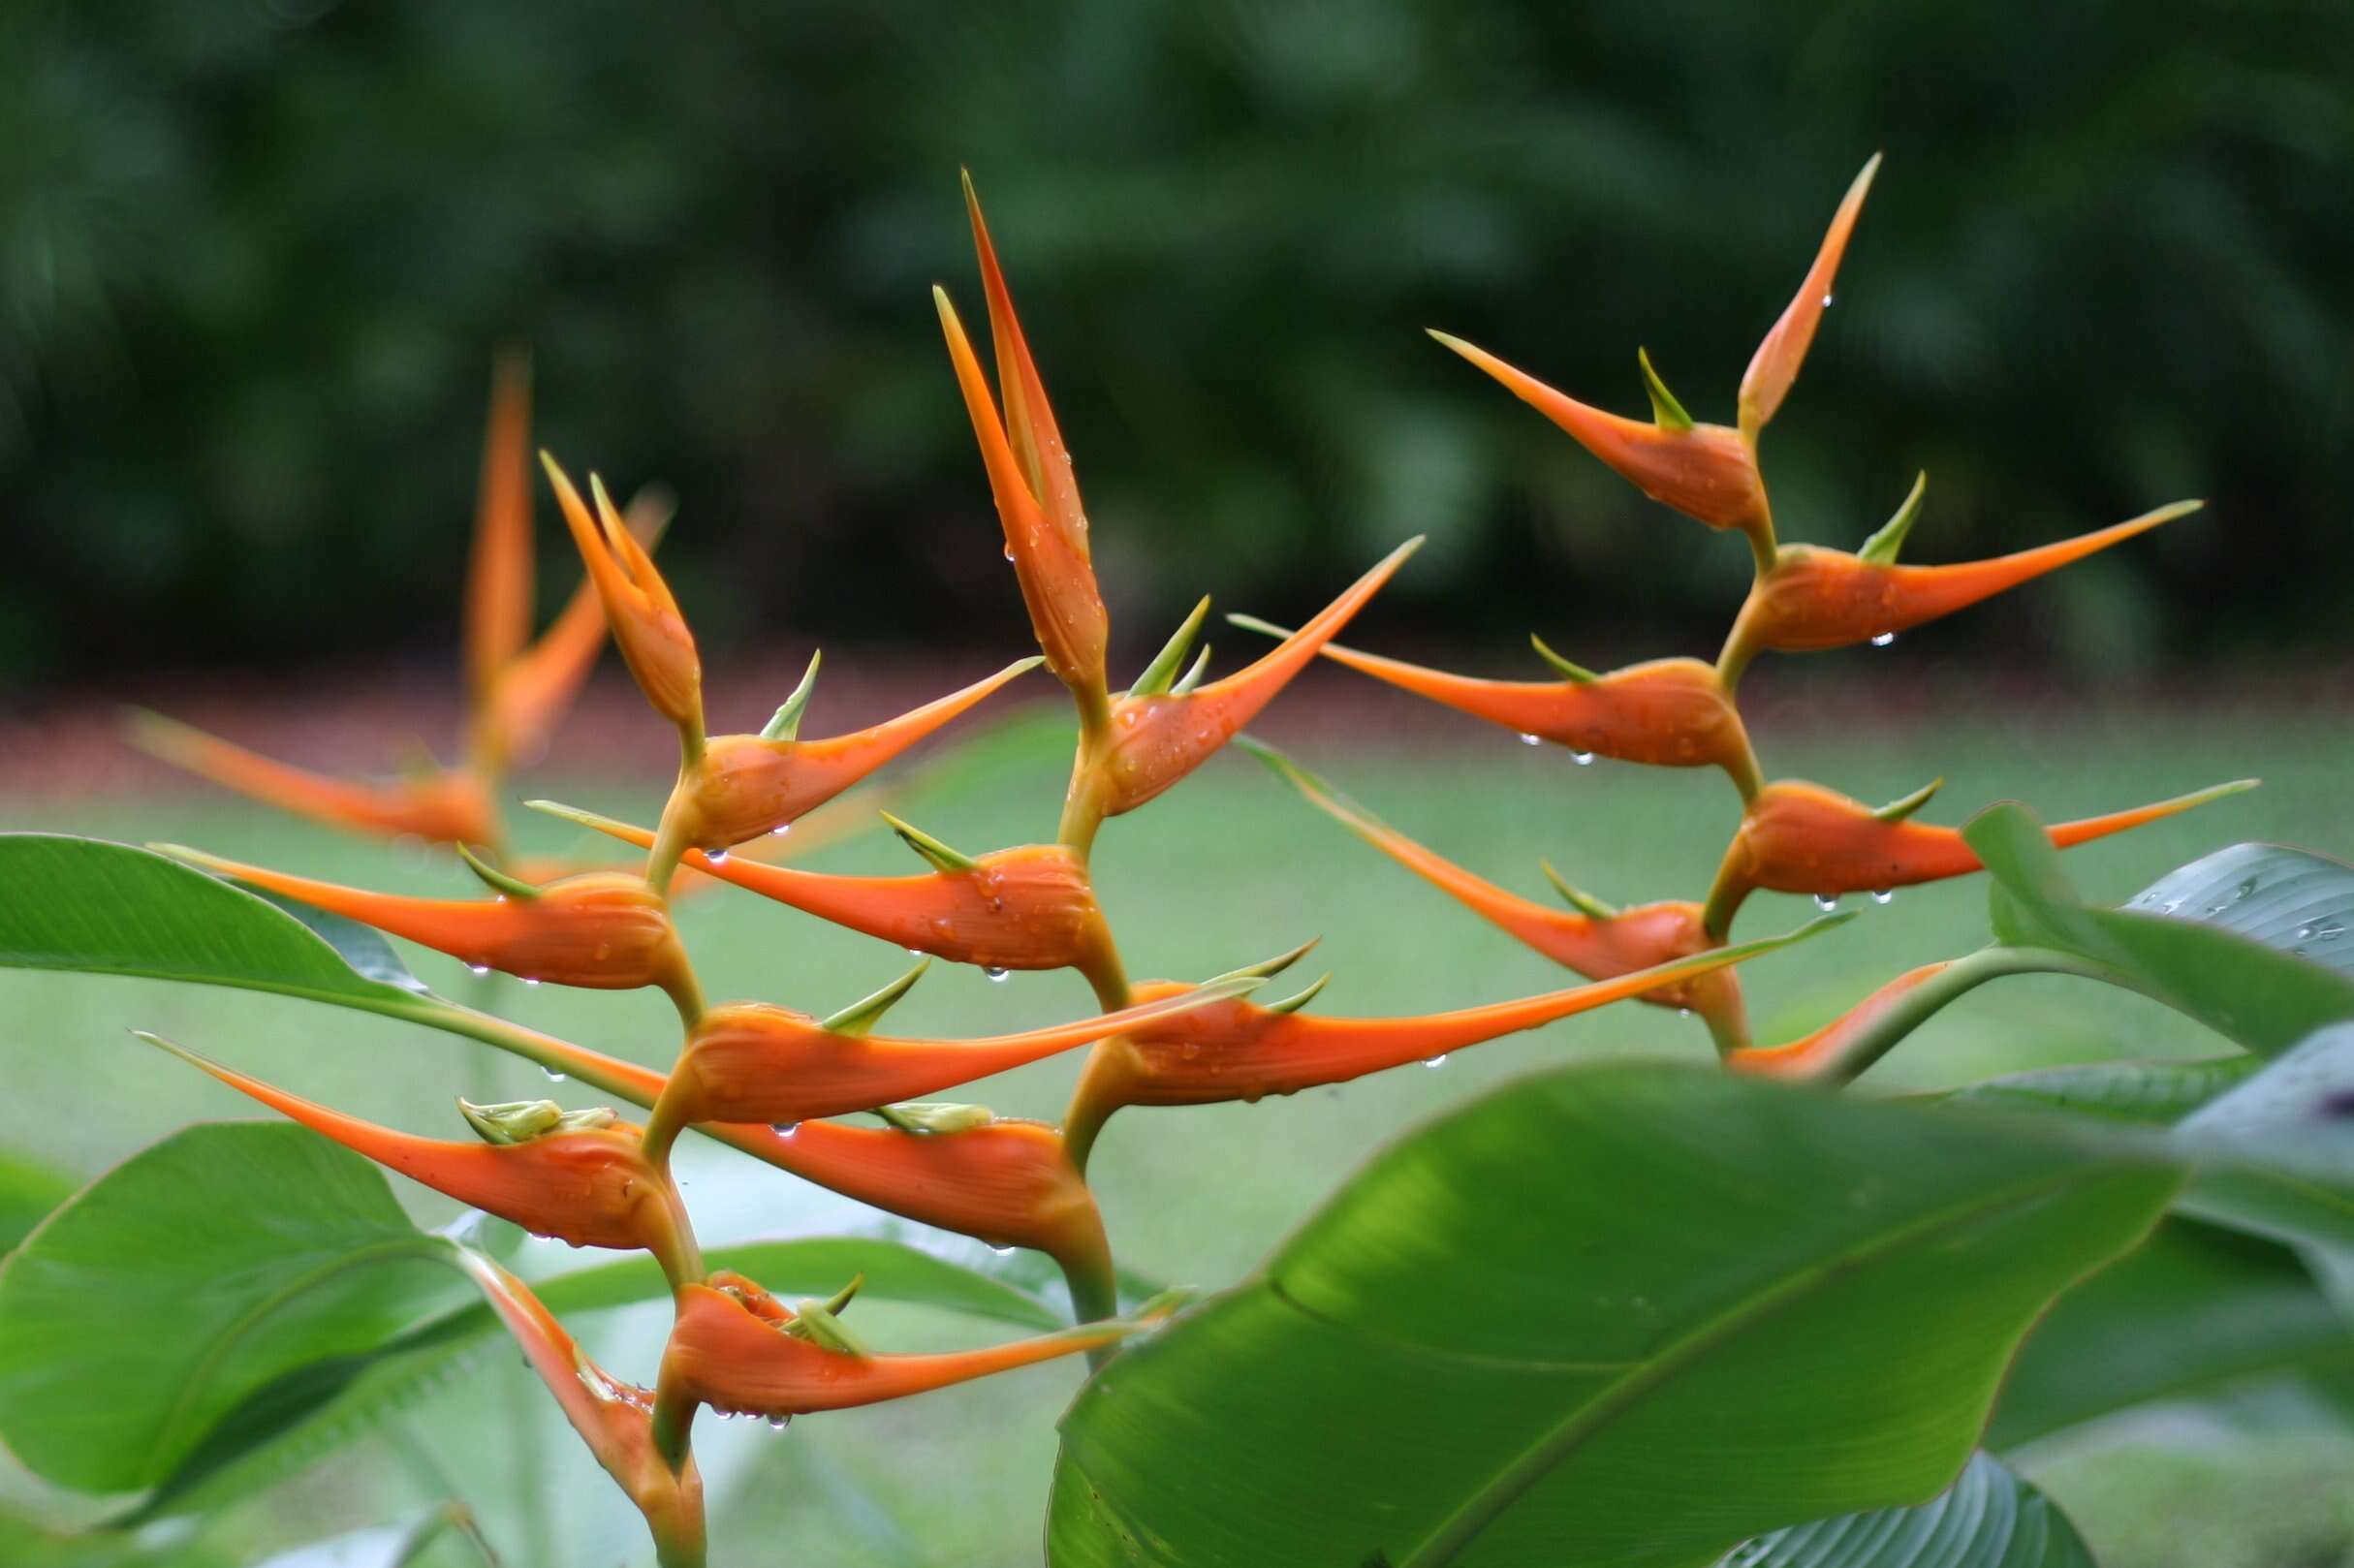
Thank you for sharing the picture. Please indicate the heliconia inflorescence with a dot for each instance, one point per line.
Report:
(776, 1082)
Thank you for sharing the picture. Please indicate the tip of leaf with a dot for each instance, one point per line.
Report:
(1252, 623)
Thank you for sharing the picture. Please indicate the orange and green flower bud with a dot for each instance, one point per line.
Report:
(1775, 364)
(604, 930)
(747, 785)
(613, 1418)
(441, 807)
(1160, 735)
(1666, 713)
(1703, 471)
(1592, 937)
(580, 1177)
(1814, 599)
(731, 1348)
(1800, 837)
(1027, 908)
(750, 1061)
(531, 692)
(1030, 476)
(647, 626)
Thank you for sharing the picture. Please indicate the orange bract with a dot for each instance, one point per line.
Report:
(1703, 471)
(1799, 838)
(1030, 476)
(646, 623)
(1815, 599)
(606, 931)
(728, 1350)
(746, 785)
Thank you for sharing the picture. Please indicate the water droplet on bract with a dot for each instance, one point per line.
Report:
(994, 973)
(1002, 1252)
(1883, 895)
(480, 971)
(777, 1423)
(1826, 901)
(1883, 640)
(1584, 758)
(553, 1076)
(1009, 552)
(531, 980)
(717, 856)
(1827, 301)
(1527, 739)
(779, 833)
(784, 1129)
(915, 952)
(1684, 1012)
(1439, 1060)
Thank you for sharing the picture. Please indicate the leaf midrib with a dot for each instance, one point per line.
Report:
(1589, 1418)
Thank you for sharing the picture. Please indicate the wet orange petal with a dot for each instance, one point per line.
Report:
(746, 786)
(1775, 364)
(1158, 739)
(1706, 471)
(723, 1354)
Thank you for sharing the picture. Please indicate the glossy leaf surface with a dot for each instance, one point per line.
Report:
(1631, 1314)
(1987, 1519)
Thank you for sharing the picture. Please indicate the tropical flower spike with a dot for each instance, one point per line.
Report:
(516, 690)
(604, 931)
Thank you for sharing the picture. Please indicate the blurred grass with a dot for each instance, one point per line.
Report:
(1226, 870)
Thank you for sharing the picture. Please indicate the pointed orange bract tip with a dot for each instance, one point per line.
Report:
(746, 785)
(1051, 558)
(646, 624)
(1706, 472)
(1030, 419)
(1815, 599)
(499, 578)
(728, 1349)
(1158, 739)
(449, 806)
(1775, 364)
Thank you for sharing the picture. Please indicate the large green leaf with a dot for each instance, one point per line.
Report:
(2150, 1093)
(2261, 996)
(2287, 898)
(2197, 1309)
(27, 1194)
(196, 1272)
(96, 907)
(2279, 1147)
(1987, 1519)
(1631, 1314)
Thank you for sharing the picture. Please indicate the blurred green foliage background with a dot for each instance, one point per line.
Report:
(254, 257)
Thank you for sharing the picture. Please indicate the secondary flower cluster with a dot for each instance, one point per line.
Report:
(774, 1082)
